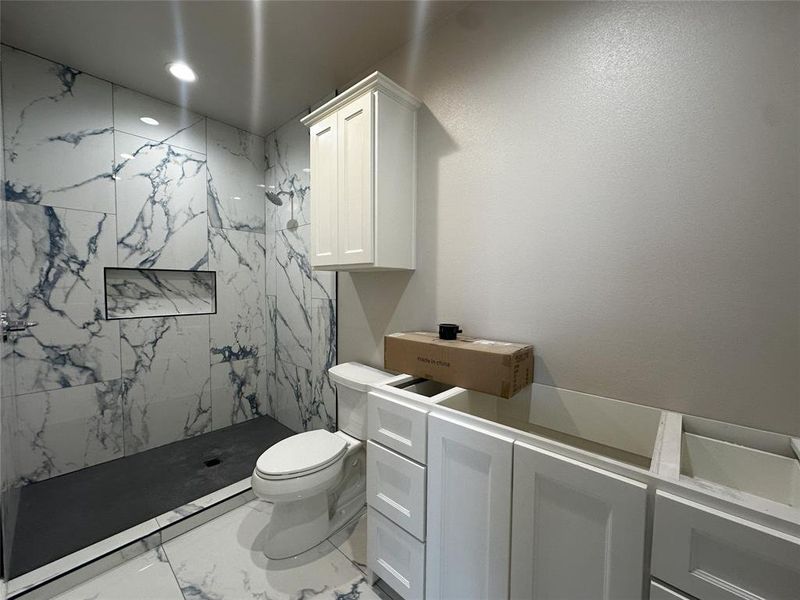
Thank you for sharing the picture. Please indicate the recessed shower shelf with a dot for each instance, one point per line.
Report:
(138, 293)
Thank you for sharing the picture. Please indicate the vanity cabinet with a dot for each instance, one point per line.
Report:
(579, 531)
(363, 178)
(396, 482)
(469, 511)
(707, 553)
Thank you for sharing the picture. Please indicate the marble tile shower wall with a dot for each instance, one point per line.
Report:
(302, 302)
(88, 186)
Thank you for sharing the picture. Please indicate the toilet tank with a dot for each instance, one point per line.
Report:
(353, 381)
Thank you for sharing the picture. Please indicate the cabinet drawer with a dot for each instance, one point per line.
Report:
(396, 487)
(397, 425)
(710, 554)
(662, 592)
(395, 556)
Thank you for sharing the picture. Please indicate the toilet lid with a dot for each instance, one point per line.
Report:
(302, 452)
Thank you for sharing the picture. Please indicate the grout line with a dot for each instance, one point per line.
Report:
(171, 568)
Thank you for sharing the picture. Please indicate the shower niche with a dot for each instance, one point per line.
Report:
(132, 293)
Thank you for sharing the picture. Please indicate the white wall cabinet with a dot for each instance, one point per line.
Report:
(469, 512)
(579, 531)
(363, 178)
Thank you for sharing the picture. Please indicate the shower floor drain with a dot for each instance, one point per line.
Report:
(212, 462)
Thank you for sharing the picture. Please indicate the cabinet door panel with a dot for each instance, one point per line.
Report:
(355, 181)
(579, 531)
(711, 554)
(469, 512)
(324, 183)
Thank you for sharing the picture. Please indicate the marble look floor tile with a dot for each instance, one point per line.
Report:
(176, 125)
(239, 390)
(146, 576)
(56, 257)
(352, 541)
(236, 166)
(223, 559)
(238, 330)
(294, 297)
(288, 161)
(240, 489)
(166, 374)
(57, 116)
(63, 430)
(323, 357)
(80, 566)
(161, 205)
(205, 515)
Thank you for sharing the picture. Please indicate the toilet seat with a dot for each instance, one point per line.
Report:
(301, 454)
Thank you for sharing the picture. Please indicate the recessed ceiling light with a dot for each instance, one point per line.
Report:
(148, 120)
(126, 156)
(272, 187)
(182, 71)
(307, 170)
(236, 198)
(261, 185)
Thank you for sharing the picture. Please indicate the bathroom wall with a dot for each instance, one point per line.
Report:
(617, 184)
(88, 185)
(302, 302)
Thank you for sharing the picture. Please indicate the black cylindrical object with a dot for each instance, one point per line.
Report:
(448, 331)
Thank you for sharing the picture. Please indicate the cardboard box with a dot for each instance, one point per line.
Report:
(497, 368)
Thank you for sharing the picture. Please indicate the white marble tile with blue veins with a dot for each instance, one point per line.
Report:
(323, 357)
(161, 205)
(295, 404)
(167, 380)
(68, 429)
(58, 135)
(56, 257)
(289, 175)
(146, 576)
(239, 390)
(174, 125)
(294, 297)
(236, 166)
(223, 560)
(238, 330)
(156, 293)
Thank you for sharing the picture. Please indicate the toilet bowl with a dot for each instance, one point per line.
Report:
(316, 479)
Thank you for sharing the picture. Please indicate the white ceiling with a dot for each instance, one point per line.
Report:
(258, 63)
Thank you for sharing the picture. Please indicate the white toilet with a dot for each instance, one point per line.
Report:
(316, 479)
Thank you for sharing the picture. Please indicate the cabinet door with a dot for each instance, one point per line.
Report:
(711, 554)
(355, 181)
(325, 190)
(469, 512)
(579, 531)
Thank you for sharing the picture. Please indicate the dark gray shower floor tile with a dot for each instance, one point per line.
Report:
(61, 515)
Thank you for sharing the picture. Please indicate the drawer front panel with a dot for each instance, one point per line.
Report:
(710, 554)
(399, 426)
(395, 556)
(396, 487)
(662, 592)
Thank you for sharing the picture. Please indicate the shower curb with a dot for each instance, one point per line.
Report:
(71, 570)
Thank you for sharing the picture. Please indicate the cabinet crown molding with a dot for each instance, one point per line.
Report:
(375, 81)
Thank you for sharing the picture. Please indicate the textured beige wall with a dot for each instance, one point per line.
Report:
(618, 185)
